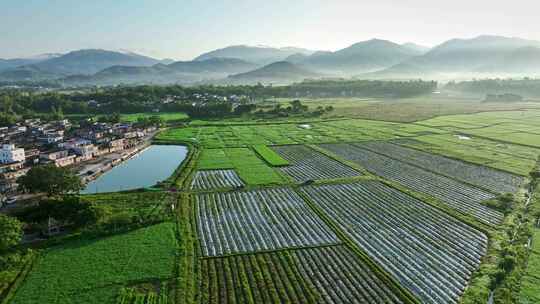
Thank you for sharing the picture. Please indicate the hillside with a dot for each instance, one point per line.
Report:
(81, 62)
(16, 62)
(361, 57)
(256, 54)
(462, 56)
(281, 72)
(522, 60)
(213, 65)
(177, 72)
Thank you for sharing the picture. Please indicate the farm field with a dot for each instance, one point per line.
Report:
(250, 168)
(286, 134)
(492, 180)
(216, 179)
(408, 109)
(456, 195)
(258, 220)
(308, 164)
(167, 117)
(427, 251)
(94, 271)
(340, 210)
(330, 274)
(516, 127)
(512, 158)
(270, 156)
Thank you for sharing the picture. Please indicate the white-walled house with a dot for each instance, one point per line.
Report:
(10, 154)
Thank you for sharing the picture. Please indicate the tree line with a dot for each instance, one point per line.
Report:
(146, 98)
(528, 87)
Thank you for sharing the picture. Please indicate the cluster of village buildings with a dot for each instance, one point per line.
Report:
(34, 142)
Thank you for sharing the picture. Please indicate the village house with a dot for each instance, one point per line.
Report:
(59, 158)
(81, 147)
(116, 145)
(10, 154)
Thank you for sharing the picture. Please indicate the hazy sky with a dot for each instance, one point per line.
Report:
(184, 29)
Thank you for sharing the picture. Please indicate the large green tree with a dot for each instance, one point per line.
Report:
(51, 180)
(10, 232)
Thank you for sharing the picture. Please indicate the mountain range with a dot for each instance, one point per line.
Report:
(481, 56)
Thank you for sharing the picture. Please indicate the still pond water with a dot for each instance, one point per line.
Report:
(152, 165)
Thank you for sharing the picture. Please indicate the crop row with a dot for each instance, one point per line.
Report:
(215, 179)
(259, 220)
(132, 296)
(457, 195)
(308, 164)
(316, 275)
(491, 179)
(427, 251)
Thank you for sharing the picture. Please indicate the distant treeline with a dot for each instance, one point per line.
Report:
(147, 98)
(360, 88)
(524, 87)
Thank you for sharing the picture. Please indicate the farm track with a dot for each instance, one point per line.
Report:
(428, 252)
(258, 220)
(484, 177)
(457, 195)
(308, 164)
(331, 274)
(215, 179)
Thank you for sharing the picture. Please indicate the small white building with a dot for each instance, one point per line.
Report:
(10, 154)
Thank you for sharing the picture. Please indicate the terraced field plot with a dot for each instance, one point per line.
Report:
(317, 275)
(493, 180)
(512, 158)
(216, 179)
(94, 271)
(427, 251)
(308, 164)
(258, 220)
(250, 168)
(459, 196)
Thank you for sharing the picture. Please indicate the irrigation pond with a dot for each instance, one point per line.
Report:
(154, 164)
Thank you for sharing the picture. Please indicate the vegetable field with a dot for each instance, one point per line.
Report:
(215, 179)
(250, 168)
(317, 275)
(259, 220)
(493, 180)
(226, 136)
(512, 158)
(517, 127)
(308, 164)
(462, 197)
(427, 251)
(270, 156)
(95, 271)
